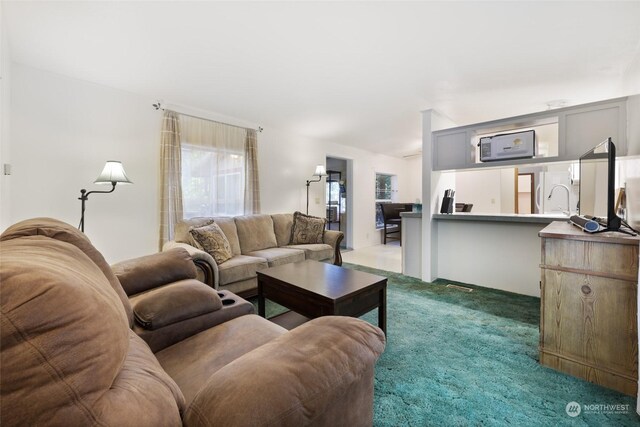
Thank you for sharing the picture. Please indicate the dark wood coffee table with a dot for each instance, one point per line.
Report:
(315, 289)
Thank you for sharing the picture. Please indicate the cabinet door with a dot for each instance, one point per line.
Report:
(450, 150)
(590, 320)
(585, 128)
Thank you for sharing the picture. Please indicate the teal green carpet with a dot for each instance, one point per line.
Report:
(466, 359)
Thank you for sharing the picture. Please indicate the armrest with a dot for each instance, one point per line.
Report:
(334, 238)
(320, 370)
(174, 303)
(147, 272)
(201, 259)
(164, 336)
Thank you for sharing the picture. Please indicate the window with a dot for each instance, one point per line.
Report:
(383, 187)
(212, 182)
(385, 190)
(213, 168)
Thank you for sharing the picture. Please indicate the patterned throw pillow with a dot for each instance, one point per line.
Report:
(307, 229)
(213, 241)
(190, 240)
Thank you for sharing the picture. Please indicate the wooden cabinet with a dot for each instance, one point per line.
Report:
(588, 314)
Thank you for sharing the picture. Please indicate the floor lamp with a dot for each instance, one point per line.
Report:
(113, 173)
(319, 173)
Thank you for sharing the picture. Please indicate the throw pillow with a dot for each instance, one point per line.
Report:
(213, 241)
(307, 229)
(189, 237)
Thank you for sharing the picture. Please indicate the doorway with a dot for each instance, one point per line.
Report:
(524, 192)
(337, 197)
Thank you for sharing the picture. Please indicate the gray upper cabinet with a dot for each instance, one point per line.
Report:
(577, 129)
(450, 150)
(583, 128)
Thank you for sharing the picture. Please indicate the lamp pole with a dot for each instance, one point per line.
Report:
(308, 183)
(84, 196)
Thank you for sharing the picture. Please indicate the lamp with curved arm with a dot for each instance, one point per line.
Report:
(320, 172)
(113, 173)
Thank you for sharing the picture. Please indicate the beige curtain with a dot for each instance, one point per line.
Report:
(252, 183)
(170, 176)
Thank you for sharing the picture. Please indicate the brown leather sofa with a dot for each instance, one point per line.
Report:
(76, 350)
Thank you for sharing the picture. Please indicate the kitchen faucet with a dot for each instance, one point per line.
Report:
(568, 211)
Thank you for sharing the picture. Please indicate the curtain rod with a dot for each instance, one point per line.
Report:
(158, 106)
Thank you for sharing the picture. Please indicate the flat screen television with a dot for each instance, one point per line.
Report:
(597, 185)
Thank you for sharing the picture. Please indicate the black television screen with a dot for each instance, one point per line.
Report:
(597, 185)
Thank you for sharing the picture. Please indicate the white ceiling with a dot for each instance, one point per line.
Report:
(355, 73)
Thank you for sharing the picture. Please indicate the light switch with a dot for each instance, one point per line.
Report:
(317, 200)
(6, 169)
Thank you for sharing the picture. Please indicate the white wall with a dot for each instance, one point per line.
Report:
(483, 188)
(433, 186)
(63, 130)
(630, 179)
(507, 190)
(287, 161)
(365, 166)
(414, 168)
(5, 96)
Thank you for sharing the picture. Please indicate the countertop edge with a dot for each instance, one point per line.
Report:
(531, 219)
(411, 214)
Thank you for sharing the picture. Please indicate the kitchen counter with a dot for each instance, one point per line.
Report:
(521, 218)
(500, 251)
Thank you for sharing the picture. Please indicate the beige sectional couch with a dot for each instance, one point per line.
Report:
(257, 242)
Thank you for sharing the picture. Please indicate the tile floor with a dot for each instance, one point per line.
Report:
(385, 257)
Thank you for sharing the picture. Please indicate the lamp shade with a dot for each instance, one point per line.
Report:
(113, 172)
(320, 171)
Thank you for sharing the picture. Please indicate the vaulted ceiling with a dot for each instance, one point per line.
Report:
(355, 73)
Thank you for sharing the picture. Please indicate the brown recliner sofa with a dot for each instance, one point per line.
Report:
(75, 352)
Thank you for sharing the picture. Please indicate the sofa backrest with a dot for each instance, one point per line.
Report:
(282, 224)
(227, 224)
(69, 356)
(64, 232)
(255, 232)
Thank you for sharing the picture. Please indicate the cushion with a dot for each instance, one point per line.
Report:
(307, 229)
(240, 267)
(174, 303)
(282, 227)
(255, 232)
(279, 256)
(316, 252)
(228, 226)
(147, 272)
(192, 362)
(213, 241)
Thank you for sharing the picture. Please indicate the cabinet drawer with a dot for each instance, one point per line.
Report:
(590, 320)
(614, 260)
